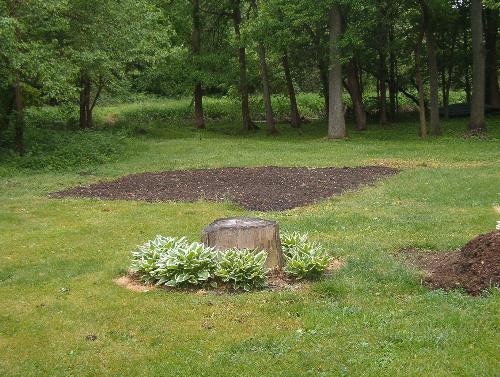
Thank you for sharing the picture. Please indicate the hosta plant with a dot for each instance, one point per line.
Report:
(145, 259)
(303, 259)
(190, 264)
(242, 268)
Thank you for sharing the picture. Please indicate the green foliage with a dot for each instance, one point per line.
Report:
(242, 268)
(52, 150)
(174, 262)
(304, 259)
(145, 259)
(185, 264)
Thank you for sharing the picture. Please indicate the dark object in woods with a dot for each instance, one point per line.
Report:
(458, 110)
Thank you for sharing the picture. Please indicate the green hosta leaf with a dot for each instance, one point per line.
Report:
(242, 268)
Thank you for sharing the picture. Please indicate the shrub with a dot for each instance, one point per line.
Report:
(242, 268)
(186, 264)
(145, 259)
(304, 259)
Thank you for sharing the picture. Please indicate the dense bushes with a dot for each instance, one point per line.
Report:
(174, 262)
(64, 150)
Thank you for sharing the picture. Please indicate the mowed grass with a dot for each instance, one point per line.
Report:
(58, 259)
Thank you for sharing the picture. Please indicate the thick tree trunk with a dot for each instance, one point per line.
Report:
(196, 47)
(245, 106)
(336, 120)
(266, 89)
(246, 233)
(383, 90)
(478, 67)
(420, 84)
(433, 69)
(294, 110)
(19, 110)
(356, 95)
(492, 88)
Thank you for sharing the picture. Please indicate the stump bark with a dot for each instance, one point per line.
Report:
(246, 233)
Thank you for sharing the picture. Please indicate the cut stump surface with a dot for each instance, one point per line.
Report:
(246, 233)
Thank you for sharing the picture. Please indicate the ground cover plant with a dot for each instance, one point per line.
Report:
(174, 262)
(62, 314)
(303, 259)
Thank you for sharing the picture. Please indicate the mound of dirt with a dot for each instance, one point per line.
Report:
(260, 189)
(474, 268)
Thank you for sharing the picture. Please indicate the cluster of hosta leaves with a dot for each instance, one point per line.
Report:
(188, 264)
(304, 259)
(145, 259)
(242, 268)
(174, 262)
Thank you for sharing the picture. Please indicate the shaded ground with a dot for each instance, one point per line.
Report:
(474, 268)
(261, 189)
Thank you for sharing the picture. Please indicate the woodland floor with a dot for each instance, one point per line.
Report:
(258, 189)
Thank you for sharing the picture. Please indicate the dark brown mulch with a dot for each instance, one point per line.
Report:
(261, 189)
(474, 268)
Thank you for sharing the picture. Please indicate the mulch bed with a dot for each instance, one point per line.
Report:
(259, 189)
(474, 268)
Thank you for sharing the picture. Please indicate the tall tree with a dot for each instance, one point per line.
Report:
(491, 32)
(336, 120)
(354, 89)
(245, 105)
(266, 85)
(433, 68)
(199, 119)
(420, 87)
(477, 122)
(294, 109)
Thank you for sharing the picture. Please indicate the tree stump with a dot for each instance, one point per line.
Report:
(246, 233)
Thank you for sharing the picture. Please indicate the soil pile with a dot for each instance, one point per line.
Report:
(258, 189)
(474, 268)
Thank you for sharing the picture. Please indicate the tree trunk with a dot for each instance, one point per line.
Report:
(492, 88)
(245, 106)
(448, 75)
(294, 110)
(393, 86)
(323, 73)
(19, 110)
(266, 89)
(336, 120)
(85, 108)
(246, 233)
(356, 95)
(443, 93)
(383, 90)
(420, 85)
(478, 67)
(196, 47)
(433, 69)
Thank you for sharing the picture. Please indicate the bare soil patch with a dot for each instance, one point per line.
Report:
(258, 189)
(474, 268)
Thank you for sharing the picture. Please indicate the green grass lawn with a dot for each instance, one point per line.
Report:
(58, 259)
